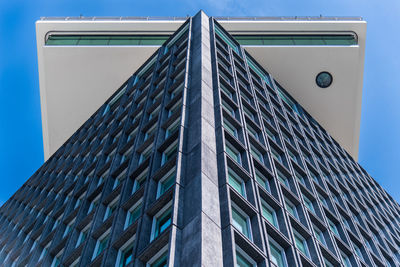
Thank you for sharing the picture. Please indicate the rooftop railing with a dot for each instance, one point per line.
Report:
(293, 18)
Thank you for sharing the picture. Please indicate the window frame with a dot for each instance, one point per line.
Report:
(129, 213)
(260, 177)
(168, 153)
(244, 215)
(230, 128)
(160, 214)
(231, 148)
(278, 248)
(158, 256)
(245, 256)
(274, 222)
(319, 235)
(300, 238)
(293, 207)
(160, 182)
(104, 237)
(121, 252)
(232, 175)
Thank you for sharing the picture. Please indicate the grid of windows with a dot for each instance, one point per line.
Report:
(290, 163)
(99, 185)
(289, 195)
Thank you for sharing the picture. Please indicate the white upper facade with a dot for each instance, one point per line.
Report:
(75, 80)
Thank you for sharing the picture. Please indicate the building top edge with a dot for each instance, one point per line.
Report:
(283, 18)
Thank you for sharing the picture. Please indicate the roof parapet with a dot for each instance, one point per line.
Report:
(293, 18)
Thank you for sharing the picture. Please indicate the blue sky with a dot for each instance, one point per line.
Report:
(21, 151)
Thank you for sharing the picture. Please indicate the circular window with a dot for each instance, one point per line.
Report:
(324, 79)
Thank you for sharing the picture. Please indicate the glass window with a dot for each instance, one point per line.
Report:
(270, 134)
(55, 263)
(257, 154)
(226, 91)
(249, 113)
(161, 262)
(161, 223)
(228, 108)
(225, 76)
(109, 211)
(68, 228)
(92, 206)
(241, 222)
(319, 235)
(315, 177)
(287, 138)
(277, 155)
(301, 244)
(44, 252)
(165, 183)
(172, 128)
(226, 39)
(269, 213)
(358, 250)
(81, 238)
(100, 246)
(259, 71)
(346, 223)
(323, 200)
(345, 259)
(236, 182)
(145, 154)
(139, 181)
(287, 99)
(169, 153)
(291, 208)
(150, 132)
(328, 263)
(283, 179)
(333, 227)
(243, 260)
(277, 255)
(233, 153)
(262, 181)
(368, 243)
(230, 128)
(126, 256)
(308, 203)
(299, 177)
(133, 215)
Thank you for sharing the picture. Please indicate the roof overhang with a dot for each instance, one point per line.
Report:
(76, 80)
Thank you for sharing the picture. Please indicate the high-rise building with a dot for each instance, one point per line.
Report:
(201, 158)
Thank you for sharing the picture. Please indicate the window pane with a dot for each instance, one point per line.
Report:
(161, 262)
(162, 223)
(233, 153)
(319, 235)
(333, 227)
(230, 128)
(236, 183)
(269, 214)
(240, 222)
(134, 215)
(276, 255)
(263, 181)
(291, 208)
(126, 256)
(242, 261)
(301, 244)
(166, 184)
(283, 179)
